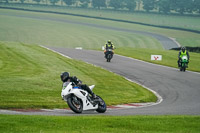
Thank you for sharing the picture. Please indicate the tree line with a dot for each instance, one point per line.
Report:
(161, 6)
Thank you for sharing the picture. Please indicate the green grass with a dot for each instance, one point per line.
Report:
(99, 124)
(30, 78)
(169, 57)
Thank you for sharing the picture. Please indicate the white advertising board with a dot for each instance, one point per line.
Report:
(103, 48)
(156, 57)
(79, 48)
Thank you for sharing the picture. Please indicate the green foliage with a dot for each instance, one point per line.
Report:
(197, 5)
(22, 1)
(69, 2)
(164, 6)
(189, 6)
(116, 4)
(130, 4)
(148, 5)
(98, 3)
(84, 3)
(38, 1)
(53, 1)
(180, 5)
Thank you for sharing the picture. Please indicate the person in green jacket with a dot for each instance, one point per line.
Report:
(108, 45)
(182, 52)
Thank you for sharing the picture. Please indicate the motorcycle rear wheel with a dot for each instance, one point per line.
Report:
(101, 106)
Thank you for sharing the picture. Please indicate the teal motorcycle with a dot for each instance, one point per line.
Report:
(184, 63)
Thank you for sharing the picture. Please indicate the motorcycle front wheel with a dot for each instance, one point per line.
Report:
(109, 57)
(183, 67)
(75, 104)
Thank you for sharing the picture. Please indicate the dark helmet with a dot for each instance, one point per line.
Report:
(183, 49)
(64, 76)
(109, 41)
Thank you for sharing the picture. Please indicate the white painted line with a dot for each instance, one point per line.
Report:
(174, 40)
(55, 52)
(80, 48)
(53, 110)
(160, 99)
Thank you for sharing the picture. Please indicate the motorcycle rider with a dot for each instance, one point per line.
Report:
(65, 78)
(182, 52)
(108, 45)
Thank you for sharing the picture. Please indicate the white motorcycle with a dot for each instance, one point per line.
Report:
(79, 99)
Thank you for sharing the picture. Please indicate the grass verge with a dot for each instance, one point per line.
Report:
(99, 124)
(30, 78)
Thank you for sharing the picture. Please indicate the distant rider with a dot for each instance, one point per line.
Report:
(108, 45)
(65, 77)
(182, 52)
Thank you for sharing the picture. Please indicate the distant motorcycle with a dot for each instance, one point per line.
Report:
(109, 54)
(79, 100)
(184, 63)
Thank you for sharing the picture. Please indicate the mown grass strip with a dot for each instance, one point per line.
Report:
(30, 78)
(99, 124)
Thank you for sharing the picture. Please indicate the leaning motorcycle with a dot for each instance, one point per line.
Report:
(79, 100)
(109, 54)
(184, 63)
